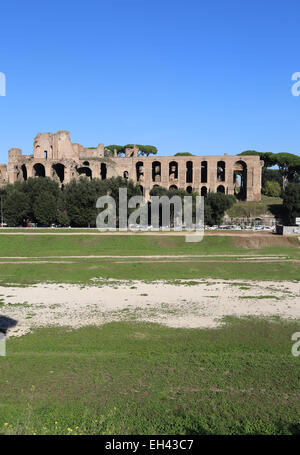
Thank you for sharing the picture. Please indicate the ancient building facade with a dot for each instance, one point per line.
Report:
(55, 156)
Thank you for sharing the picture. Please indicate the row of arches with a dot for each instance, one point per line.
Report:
(173, 171)
(240, 169)
(58, 171)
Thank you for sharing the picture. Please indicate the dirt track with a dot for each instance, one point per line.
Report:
(203, 304)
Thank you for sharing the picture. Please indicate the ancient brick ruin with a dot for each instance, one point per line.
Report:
(55, 156)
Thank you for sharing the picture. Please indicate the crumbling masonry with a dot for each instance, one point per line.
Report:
(55, 156)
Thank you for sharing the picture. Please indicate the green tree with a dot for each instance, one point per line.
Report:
(45, 208)
(215, 206)
(184, 154)
(291, 202)
(16, 206)
(289, 167)
(272, 188)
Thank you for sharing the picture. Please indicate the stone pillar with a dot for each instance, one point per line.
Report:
(182, 174)
(196, 174)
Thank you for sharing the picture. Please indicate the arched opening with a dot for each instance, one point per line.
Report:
(240, 180)
(203, 171)
(173, 187)
(103, 171)
(156, 171)
(139, 167)
(45, 154)
(221, 189)
(204, 191)
(24, 171)
(189, 189)
(189, 172)
(86, 163)
(39, 170)
(58, 171)
(173, 170)
(125, 175)
(221, 171)
(85, 171)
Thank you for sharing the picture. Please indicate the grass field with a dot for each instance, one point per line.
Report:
(215, 258)
(145, 378)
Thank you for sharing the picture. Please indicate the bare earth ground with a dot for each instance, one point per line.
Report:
(196, 304)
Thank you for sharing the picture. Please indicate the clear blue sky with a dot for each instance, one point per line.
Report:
(208, 77)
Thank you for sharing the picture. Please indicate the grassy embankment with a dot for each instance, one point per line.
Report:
(217, 260)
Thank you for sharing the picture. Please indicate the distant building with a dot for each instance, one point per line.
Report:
(55, 156)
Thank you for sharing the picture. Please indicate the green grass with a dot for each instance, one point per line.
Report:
(74, 245)
(267, 205)
(129, 378)
(84, 271)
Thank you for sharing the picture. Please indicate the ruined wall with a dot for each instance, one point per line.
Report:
(55, 156)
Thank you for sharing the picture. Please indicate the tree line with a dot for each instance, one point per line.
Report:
(278, 171)
(42, 201)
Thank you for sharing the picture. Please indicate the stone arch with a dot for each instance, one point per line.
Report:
(103, 171)
(85, 171)
(189, 172)
(221, 171)
(240, 180)
(173, 187)
(221, 189)
(24, 171)
(173, 170)
(203, 171)
(204, 191)
(189, 189)
(58, 171)
(39, 170)
(86, 163)
(139, 168)
(156, 171)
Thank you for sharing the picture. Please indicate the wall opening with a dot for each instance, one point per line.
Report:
(39, 170)
(58, 171)
(103, 171)
(24, 171)
(204, 191)
(240, 180)
(203, 171)
(156, 171)
(125, 175)
(173, 170)
(139, 167)
(189, 189)
(85, 171)
(221, 189)
(173, 187)
(189, 172)
(45, 154)
(221, 171)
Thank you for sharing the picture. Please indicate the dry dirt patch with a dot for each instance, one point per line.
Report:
(197, 304)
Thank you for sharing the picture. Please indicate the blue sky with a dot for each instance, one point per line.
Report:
(198, 76)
